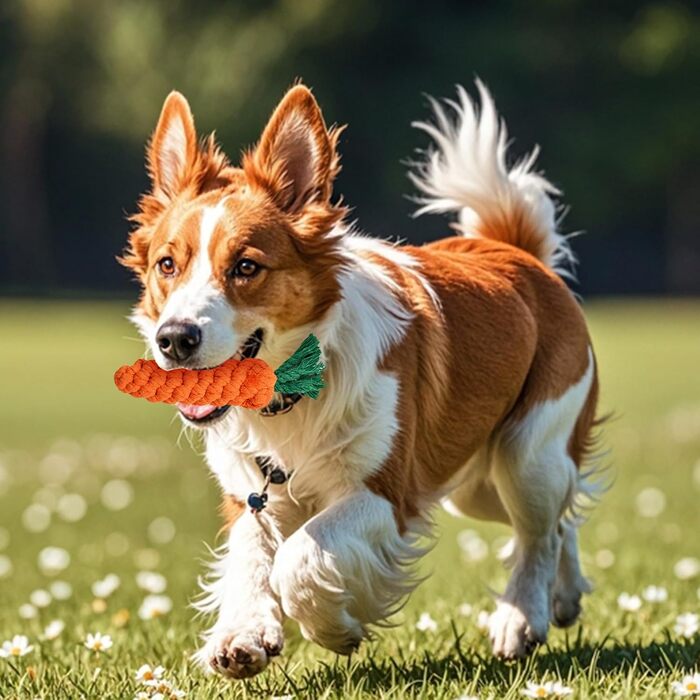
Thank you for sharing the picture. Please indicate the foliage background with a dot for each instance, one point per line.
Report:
(609, 90)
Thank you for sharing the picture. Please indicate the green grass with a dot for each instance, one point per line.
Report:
(65, 429)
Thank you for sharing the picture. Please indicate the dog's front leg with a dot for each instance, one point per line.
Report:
(248, 629)
(344, 570)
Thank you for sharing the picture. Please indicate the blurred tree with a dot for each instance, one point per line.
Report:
(610, 91)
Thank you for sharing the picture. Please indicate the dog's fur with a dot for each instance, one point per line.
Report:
(459, 371)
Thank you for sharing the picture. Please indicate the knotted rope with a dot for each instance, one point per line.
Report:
(249, 383)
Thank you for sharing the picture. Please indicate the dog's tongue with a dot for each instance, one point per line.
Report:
(195, 412)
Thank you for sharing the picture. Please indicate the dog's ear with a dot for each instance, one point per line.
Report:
(296, 158)
(172, 151)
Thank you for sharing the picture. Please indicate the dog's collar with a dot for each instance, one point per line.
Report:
(282, 403)
(270, 468)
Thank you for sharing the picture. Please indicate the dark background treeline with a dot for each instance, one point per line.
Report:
(611, 92)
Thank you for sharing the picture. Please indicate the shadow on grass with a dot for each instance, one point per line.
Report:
(460, 665)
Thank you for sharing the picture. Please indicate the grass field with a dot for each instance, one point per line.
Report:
(101, 477)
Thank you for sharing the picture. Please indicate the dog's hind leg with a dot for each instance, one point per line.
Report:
(476, 495)
(570, 582)
(536, 479)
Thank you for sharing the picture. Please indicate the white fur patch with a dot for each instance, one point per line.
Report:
(343, 570)
(200, 300)
(394, 254)
(545, 432)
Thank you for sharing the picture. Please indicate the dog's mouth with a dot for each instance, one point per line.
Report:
(206, 415)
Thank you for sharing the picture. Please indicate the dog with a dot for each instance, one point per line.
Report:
(458, 373)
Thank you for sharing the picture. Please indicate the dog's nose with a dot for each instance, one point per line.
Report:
(178, 340)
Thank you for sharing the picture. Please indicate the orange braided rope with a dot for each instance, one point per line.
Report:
(249, 383)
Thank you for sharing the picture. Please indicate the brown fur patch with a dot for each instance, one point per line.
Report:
(516, 337)
(204, 168)
(515, 226)
(230, 509)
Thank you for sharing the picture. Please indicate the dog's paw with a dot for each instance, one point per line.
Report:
(242, 652)
(566, 608)
(512, 634)
(566, 600)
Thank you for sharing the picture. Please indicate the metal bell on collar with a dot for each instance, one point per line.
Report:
(257, 502)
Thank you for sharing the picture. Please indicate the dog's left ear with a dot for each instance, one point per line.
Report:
(296, 158)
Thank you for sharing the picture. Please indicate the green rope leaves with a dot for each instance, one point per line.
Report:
(302, 373)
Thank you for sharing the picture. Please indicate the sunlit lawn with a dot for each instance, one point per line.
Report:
(146, 503)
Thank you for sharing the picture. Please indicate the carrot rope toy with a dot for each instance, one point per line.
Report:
(250, 383)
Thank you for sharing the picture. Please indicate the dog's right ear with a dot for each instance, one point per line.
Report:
(296, 159)
(172, 151)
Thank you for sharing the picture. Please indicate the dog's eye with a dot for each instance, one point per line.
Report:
(245, 268)
(166, 266)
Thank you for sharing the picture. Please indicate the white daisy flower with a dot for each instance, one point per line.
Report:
(98, 642)
(143, 695)
(687, 625)
(105, 587)
(117, 494)
(36, 517)
(559, 690)
(61, 590)
(155, 606)
(629, 603)
(71, 507)
(651, 502)
(426, 623)
(53, 560)
(161, 530)
(40, 598)
(5, 566)
(655, 594)
(151, 581)
(690, 685)
(465, 610)
(471, 544)
(146, 674)
(604, 558)
(27, 611)
(549, 689)
(17, 646)
(54, 629)
(687, 568)
(482, 621)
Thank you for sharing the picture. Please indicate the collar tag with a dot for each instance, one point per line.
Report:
(273, 474)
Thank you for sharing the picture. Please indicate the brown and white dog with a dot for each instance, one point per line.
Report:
(459, 372)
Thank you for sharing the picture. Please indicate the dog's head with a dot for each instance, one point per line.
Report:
(230, 256)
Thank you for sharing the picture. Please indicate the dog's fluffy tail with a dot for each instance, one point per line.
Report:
(466, 172)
